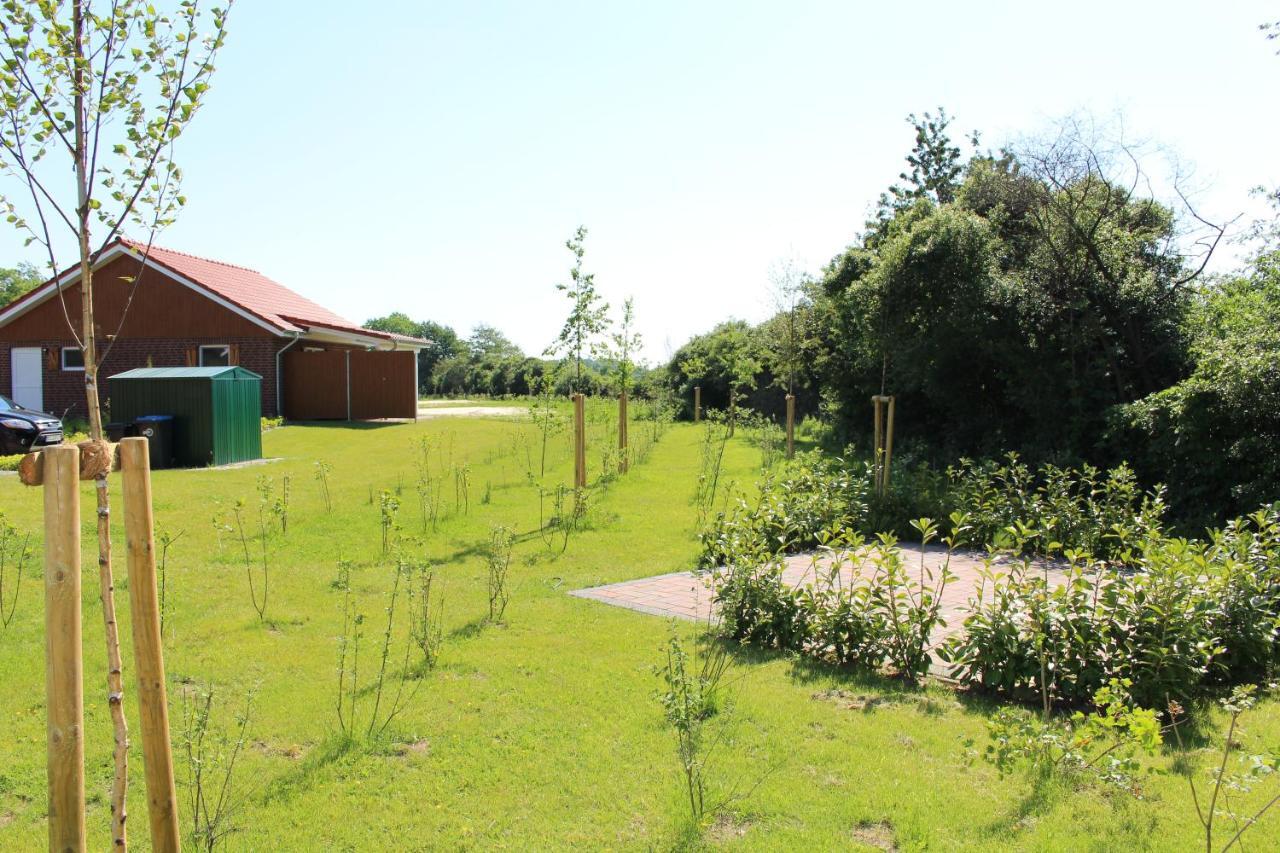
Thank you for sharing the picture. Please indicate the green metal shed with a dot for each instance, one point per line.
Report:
(217, 410)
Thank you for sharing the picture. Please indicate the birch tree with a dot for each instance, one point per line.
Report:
(93, 98)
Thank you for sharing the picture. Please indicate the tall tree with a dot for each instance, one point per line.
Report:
(15, 282)
(935, 164)
(93, 98)
(588, 314)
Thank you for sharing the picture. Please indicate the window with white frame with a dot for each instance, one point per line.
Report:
(72, 358)
(215, 355)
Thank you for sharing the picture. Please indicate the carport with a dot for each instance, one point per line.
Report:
(349, 384)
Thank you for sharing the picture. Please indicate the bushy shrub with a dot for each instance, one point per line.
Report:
(754, 603)
(1246, 554)
(1181, 614)
(811, 495)
(1102, 745)
(882, 616)
(1069, 509)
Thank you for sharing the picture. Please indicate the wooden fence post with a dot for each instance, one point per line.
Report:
(579, 442)
(622, 433)
(697, 403)
(791, 425)
(148, 652)
(64, 664)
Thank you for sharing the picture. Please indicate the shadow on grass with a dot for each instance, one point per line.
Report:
(474, 628)
(329, 751)
(1041, 795)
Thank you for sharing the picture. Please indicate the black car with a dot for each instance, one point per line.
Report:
(22, 429)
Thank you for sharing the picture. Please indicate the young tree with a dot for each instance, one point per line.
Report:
(92, 99)
(625, 344)
(738, 353)
(588, 316)
(788, 282)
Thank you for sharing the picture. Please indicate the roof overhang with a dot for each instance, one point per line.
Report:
(368, 340)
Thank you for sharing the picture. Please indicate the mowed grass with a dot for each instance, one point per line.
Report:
(543, 732)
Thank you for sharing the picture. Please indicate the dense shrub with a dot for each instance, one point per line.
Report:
(881, 616)
(1168, 615)
(1183, 614)
(1067, 509)
(812, 494)
(756, 607)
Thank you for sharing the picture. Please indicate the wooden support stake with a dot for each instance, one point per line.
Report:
(878, 459)
(697, 403)
(888, 449)
(622, 432)
(883, 441)
(64, 664)
(791, 425)
(579, 442)
(148, 652)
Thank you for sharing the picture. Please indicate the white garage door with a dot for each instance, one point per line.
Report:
(28, 377)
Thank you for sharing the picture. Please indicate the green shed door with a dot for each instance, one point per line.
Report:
(237, 417)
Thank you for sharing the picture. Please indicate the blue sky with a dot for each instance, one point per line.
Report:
(432, 157)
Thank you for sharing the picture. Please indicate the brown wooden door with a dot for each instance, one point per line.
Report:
(315, 385)
(382, 385)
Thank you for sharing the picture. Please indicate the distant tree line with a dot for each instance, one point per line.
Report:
(489, 363)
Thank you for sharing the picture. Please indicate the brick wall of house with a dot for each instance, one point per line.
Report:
(64, 389)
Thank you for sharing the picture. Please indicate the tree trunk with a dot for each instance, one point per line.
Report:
(106, 582)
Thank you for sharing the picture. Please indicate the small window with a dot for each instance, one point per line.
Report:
(72, 358)
(216, 355)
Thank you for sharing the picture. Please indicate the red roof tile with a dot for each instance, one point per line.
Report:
(251, 290)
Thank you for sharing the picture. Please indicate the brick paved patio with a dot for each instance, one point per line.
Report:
(684, 595)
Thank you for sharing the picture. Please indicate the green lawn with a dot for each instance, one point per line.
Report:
(542, 732)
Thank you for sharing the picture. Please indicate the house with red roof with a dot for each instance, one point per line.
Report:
(156, 307)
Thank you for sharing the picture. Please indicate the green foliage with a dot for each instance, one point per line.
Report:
(498, 557)
(880, 616)
(588, 314)
(620, 355)
(1212, 436)
(1103, 745)
(16, 281)
(793, 509)
(1181, 616)
(1033, 300)
(210, 758)
(1053, 510)
(691, 698)
(1258, 768)
(15, 552)
(114, 101)
(935, 166)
